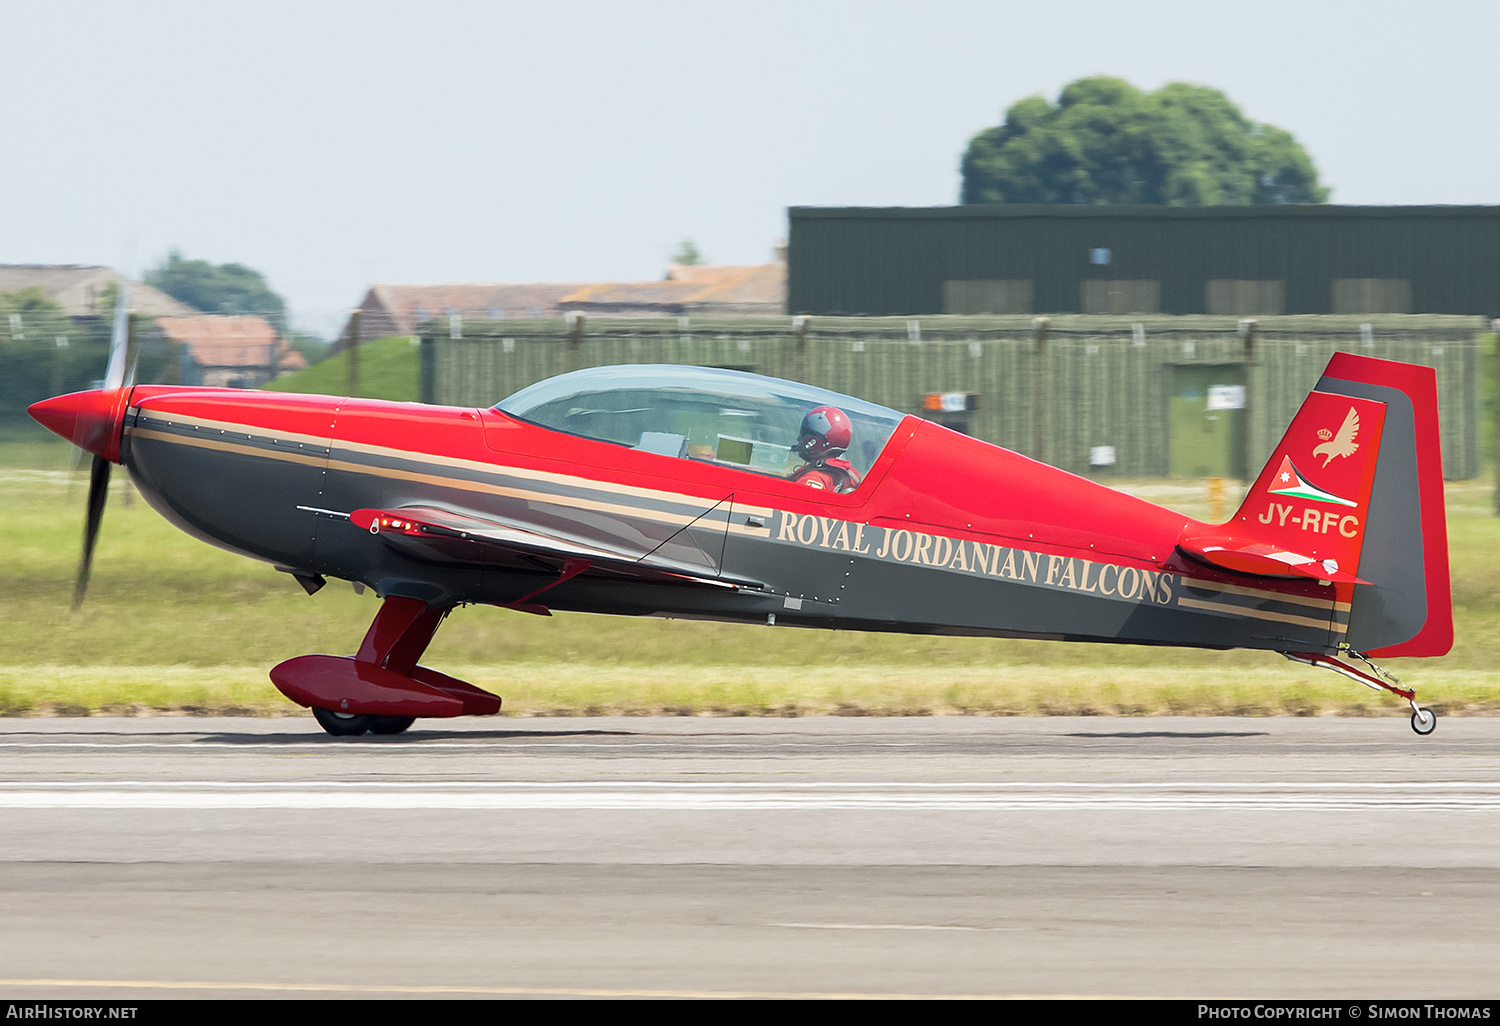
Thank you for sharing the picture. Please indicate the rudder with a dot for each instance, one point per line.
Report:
(1406, 608)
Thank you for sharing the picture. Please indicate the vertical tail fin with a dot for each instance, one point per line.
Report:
(1356, 484)
(1311, 501)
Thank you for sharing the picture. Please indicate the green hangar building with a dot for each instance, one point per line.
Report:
(1238, 261)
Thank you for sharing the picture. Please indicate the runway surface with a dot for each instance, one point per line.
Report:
(1190, 857)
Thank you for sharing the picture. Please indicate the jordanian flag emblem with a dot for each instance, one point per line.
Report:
(1289, 483)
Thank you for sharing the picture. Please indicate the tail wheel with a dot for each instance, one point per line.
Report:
(391, 724)
(346, 724)
(1423, 720)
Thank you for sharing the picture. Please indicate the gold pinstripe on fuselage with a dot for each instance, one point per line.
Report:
(332, 462)
(338, 451)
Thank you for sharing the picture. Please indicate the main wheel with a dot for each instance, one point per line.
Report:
(344, 724)
(391, 724)
(1423, 721)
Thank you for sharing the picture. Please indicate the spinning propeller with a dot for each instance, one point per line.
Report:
(118, 376)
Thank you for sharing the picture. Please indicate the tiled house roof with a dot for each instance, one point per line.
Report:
(398, 309)
(80, 289)
(237, 346)
(689, 290)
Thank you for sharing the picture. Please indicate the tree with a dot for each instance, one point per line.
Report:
(687, 254)
(1107, 142)
(223, 289)
(43, 352)
(30, 314)
(314, 350)
(29, 301)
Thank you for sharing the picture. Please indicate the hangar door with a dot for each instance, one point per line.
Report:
(1208, 422)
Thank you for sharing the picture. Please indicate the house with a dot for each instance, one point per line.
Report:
(688, 291)
(399, 309)
(237, 352)
(81, 290)
(389, 310)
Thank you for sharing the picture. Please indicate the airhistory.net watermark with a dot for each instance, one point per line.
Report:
(49, 1010)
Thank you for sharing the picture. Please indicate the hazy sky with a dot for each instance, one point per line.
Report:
(332, 145)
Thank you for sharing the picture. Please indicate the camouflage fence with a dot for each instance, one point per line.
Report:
(1059, 389)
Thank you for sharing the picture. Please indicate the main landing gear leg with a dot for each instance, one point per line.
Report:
(1423, 720)
(397, 637)
(381, 689)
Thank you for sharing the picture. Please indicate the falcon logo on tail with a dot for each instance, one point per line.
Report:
(1343, 443)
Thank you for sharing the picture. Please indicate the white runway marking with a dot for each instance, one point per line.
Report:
(1006, 785)
(895, 926)
(751, 796)
(659, 992)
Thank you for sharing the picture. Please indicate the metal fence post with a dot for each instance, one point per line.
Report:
(575, 319)
(1248, 329)
(353, 366)
(799, 367)
(427, 352)
(1039, 395)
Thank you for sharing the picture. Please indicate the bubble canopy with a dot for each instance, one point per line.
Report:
(702, 413)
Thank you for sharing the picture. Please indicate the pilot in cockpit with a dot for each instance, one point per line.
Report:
(823, 439)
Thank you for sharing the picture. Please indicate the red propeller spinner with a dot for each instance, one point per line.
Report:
(92, 420)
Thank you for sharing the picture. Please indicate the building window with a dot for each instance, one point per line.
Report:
(1100, 296)
(1245, 297)
(993, 296)
(1371, 295)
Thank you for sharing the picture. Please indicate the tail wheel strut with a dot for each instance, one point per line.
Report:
(1423, 720)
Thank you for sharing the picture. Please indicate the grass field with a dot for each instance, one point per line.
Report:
(173, 625)
(389, 368)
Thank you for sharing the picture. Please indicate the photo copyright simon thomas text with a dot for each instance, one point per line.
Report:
(1377, 1010)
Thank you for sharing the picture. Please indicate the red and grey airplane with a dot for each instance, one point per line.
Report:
(713, 494)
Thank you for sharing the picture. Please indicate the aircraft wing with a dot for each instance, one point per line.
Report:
(445, 536)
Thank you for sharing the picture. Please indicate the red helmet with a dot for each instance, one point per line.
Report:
(825, 432)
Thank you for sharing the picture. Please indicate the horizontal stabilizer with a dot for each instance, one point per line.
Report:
(1261, 558)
